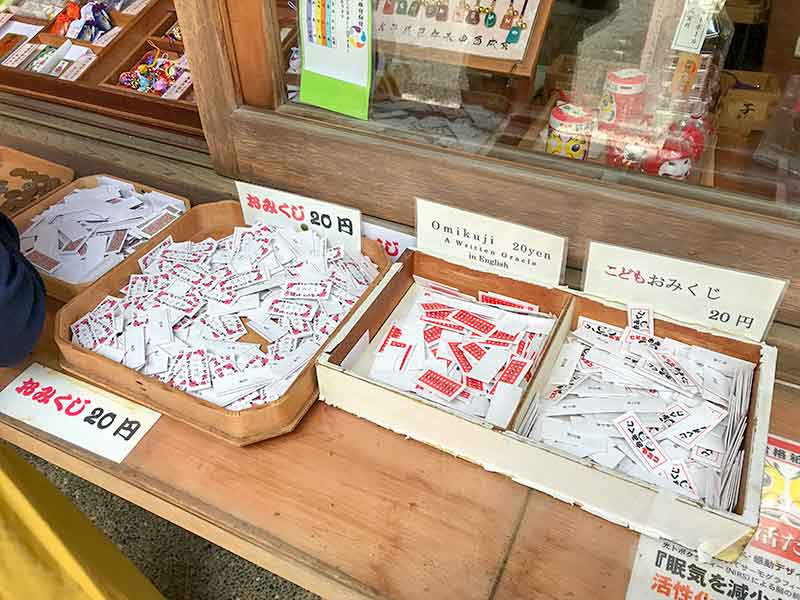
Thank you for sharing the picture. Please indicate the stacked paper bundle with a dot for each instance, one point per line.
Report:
(653, 408)
(93, 229)
(181, 319)
(472, 356)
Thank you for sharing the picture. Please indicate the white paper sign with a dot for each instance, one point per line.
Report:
(490, 244)
(76, 412)
(5, 17)
(339, 224)
(393, 242)
(721, 299)
(693, 25)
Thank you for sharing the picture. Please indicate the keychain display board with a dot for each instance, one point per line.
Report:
(503, 36)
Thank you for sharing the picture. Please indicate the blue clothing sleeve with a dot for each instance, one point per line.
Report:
(22, 299)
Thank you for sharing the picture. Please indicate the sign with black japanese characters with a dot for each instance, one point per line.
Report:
(76, 412)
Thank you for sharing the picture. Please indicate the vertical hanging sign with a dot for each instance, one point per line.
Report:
(336, 47)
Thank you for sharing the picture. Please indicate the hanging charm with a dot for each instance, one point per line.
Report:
(515, 33)
(402, 7)
(508, 18)
(388, 7)
(491, 17)
(413, 8)
(474, 14)
(442, 10)
(430, 8)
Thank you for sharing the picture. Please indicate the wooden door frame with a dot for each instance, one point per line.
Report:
(233, 45)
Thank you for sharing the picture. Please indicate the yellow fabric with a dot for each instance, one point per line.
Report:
(50, 550)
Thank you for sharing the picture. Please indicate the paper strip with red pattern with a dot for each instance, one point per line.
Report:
(495, 299)
(440, 384)
(473, 322)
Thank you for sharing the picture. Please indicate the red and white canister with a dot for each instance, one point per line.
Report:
(570, 131)
(623, 98)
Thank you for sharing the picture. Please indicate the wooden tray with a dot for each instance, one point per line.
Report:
(614, 496)
(26, 179)
(244, 427)
(61, 290)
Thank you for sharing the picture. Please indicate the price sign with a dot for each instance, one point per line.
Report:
(490, 244)
(394, 242)
(339, 224)
(76, 412)
(722, 299)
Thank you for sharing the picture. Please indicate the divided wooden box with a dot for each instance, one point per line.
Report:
(344, 383)
(26, 179)
(55, 287)
(241, 428)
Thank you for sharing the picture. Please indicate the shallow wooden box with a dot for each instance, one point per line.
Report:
(19, 190)
(241, 428)
(61, 290)
(611, 495)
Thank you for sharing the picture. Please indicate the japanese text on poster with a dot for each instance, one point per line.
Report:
(489, 244)
(722, 299)
(337, 223)
(76, 412)
(769, 568)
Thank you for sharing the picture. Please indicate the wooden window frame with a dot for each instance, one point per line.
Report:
(235, 53)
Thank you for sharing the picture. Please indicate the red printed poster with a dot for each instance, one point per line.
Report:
(769, 568)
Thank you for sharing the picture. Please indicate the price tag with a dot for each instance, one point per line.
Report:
(108, 37)
(722, 299)
(693, 25)
(180, 87)
(77, 68)
(340, 224)
(76, 412)
(20, 55)
(393, 242)
(490, 244)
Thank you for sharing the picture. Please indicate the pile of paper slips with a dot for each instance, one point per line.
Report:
(182, 319)
(92, 230)
(653, 408)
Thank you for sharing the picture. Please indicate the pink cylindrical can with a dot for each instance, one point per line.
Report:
(623, 98)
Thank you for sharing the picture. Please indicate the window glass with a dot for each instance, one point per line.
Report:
(695, 97)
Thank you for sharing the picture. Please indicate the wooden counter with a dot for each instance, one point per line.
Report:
(349, 510)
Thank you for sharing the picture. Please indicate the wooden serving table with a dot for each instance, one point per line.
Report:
(349, 510)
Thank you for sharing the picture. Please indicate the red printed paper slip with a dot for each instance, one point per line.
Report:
(644, 445)
(474, 384)
(395, 332)
(439, 315)
(515, 370)
(460, 357)
(443, 324)
(494, 299)
(407, 348)
(431, 335)
(442, 385)
(473, 322)
(474, 349)
(435, 306)
(316, 290)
